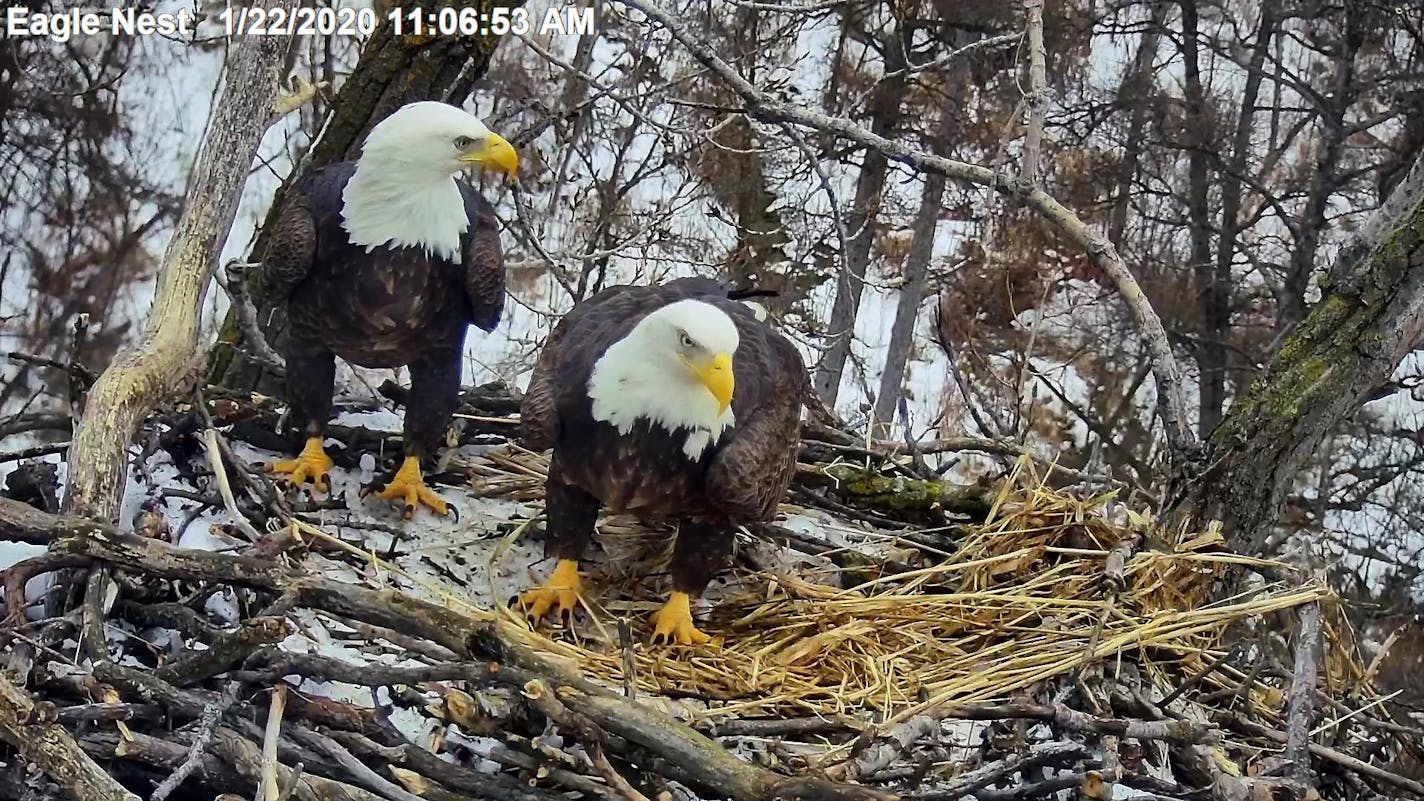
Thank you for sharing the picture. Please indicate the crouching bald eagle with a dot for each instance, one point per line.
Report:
(674, 403)
(385, 262)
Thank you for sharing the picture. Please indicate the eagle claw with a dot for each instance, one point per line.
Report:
(673, 623)
(560, 592)
(409, 487)
(311, 464)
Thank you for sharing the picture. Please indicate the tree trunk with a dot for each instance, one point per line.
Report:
(1133, 95)
(1370, 315)
(168, 350)
(392, 72)
(912, 294)
(1210, 350)
(885, 114)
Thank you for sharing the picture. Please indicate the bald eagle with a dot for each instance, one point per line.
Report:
(385, 262)
(675, 403)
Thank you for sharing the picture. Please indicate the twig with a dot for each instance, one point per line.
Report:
(782, 727)
(573, 781)
(290, 785)
(224, 651)
(1301, 701)
(268, 789)
(542, 698)
(109, 713)
(79, 374)
(246, 760)
(232, 279)
(359, 771)
(206, 725)
(210, 444)
(1329, 754)
(1177, 731)
(24, 423)
(1038, 755)
(1196, 678)
(523, 215)
(1115, 576)
(877, 756)
(34, 452)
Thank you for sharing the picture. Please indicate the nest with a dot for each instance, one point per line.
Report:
(1052, 640)
(1046, 586)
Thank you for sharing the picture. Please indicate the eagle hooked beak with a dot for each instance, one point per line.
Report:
(716, 375)
(495, 153)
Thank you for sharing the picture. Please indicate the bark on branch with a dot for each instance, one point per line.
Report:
(1370, 314)
(45, 743)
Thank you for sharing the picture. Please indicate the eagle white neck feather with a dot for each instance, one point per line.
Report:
(382, 205)
(635, 380)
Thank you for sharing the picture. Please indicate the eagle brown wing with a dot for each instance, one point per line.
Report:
(549, 388)
(484, 261)
(291, 247)
(749, 476)
(539, 411)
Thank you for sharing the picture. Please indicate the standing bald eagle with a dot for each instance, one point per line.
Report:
(385, 262)
(673, 403)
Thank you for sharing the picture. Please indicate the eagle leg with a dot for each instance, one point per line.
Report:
(700, 550)
(434, 394)
(311, 373)
(673, 623)
(571, 513)
(312, 463)
(560, 592)
(408, 486)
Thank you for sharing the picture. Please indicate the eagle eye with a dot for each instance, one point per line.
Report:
(684, 339)
(463, 142)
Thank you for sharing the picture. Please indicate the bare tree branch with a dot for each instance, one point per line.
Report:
(1170, 395)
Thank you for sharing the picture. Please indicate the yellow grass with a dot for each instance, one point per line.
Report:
(1020, 602)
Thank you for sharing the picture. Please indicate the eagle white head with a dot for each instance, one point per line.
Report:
(404, 193)
(674, 369)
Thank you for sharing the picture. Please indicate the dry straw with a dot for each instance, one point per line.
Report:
(1025, 599)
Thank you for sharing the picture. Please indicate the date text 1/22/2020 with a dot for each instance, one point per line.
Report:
(445, 21)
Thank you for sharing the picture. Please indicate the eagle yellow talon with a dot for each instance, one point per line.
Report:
(312, 463)
(673, 623)
(409, 487)
(560, 592)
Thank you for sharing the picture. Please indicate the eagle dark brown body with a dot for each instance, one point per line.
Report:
(739, 479)
(388, 307)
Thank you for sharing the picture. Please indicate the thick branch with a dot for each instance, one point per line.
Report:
(167, 351)
(48, 745)
(1037, 93)
(1371, 313)
(1301, 702)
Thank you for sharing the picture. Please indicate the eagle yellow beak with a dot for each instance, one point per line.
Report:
(496, 153)
(716, 375)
